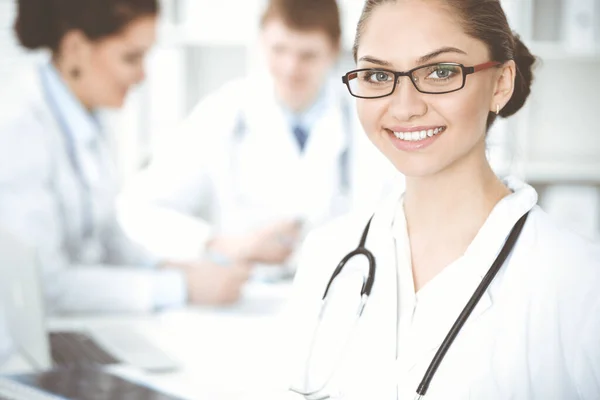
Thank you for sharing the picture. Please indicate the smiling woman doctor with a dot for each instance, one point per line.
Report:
(461, 287)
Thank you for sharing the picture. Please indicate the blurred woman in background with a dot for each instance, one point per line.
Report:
(57, 181)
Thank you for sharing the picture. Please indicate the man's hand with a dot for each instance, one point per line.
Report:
(213, 284)
(272, 244)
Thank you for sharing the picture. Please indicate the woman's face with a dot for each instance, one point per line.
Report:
(400, 36)
(111, 66)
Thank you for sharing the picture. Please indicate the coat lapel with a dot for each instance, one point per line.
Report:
(433, 321)
(427, 335)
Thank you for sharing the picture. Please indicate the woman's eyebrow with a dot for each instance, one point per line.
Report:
(422, 60)
(437, 52)
(376, 61)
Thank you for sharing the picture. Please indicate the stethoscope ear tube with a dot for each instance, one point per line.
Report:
(360, 250)
(368, 284)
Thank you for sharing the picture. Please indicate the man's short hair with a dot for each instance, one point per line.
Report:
(306, 15)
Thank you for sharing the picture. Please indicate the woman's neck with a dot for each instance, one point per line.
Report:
(458, 199)
(445, 212)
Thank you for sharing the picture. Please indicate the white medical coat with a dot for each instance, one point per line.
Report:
(235, 166)
(535, 334)
(41, 202)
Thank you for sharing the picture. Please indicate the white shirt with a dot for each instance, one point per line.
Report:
(533, 335)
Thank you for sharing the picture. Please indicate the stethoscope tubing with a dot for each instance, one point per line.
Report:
(471, 304)
(456, 327)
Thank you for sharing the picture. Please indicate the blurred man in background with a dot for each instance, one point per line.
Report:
(264, 158)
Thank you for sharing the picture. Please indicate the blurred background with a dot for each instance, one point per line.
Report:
(554, 143)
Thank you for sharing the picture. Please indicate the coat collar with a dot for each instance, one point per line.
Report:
(82, 125)
(490, 238)
(426, 335)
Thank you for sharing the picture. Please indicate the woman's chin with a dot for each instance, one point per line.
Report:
(417, 170)
(115, 103)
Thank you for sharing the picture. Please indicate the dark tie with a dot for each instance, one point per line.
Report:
(301, 135)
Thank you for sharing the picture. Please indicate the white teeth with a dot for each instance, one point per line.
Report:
(418, 135)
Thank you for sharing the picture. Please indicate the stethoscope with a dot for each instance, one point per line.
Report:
(368, 281)
(87, 225)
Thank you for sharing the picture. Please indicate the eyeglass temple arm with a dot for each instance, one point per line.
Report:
(346, 78)
(481, 67)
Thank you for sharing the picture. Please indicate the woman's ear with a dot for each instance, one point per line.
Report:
(504, 86)
(74, 51)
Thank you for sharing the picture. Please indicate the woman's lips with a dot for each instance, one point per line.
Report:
(417, 138)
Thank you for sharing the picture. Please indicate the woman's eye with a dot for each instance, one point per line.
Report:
(379, 76)
(441, 73)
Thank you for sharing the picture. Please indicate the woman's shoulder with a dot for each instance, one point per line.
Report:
(560, 273)
(327, 245)
(558, 245)
(345, 231)
(22, 91)
(24, 139)
(557, 267)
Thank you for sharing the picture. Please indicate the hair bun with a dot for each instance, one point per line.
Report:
(34, 24)
(524, 61)
(43, 23)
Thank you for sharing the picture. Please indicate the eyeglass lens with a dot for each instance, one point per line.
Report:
(438, 78)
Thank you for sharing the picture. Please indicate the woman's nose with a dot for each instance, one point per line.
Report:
(406, 101)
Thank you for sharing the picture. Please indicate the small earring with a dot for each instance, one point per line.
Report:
(75, 72)
(497, 109)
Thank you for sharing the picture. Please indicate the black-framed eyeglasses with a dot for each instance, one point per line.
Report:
(438, 78)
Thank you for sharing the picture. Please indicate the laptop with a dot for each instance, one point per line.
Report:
(75, 383)
(37, 349)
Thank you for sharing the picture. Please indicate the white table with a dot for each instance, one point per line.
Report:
(230, 353)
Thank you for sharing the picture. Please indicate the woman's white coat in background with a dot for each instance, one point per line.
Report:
(42, 202)
(533, 335)
(235, 166)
